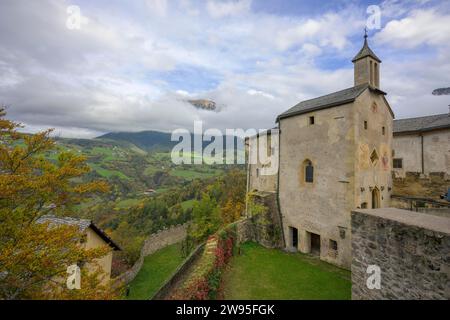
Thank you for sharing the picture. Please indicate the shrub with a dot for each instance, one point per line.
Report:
(204, 281)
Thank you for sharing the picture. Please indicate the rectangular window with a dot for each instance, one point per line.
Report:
(365, 125)
(398, 163)
(257, 172)
(383, 130)
(311, 120)
(333, 245)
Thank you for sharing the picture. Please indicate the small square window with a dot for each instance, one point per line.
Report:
(398, 163)
(311, 120)
(365, 125)
(333, 245)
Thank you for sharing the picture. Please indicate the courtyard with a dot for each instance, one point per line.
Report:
(260, 273)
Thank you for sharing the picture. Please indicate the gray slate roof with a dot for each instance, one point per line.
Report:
(365, 52)
(420, 124)
(327, 101)
(83, 224)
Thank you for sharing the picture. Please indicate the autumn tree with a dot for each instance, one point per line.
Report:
(33, 256)
(206, 220)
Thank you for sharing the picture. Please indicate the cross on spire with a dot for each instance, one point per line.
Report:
(365, 32)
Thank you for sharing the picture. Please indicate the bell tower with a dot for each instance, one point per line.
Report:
(367, 66)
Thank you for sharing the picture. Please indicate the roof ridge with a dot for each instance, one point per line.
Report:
(422, 117)
(339, 91)
(336, 98)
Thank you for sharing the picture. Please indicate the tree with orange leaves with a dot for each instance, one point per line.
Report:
(34, 257)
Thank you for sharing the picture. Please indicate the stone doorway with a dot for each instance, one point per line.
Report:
(375, 198)
(315, 244)
(293, 234)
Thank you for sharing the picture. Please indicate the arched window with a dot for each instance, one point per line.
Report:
(309, 171)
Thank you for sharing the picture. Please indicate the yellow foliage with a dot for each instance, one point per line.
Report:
(33, 255)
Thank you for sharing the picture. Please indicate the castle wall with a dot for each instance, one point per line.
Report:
(153, 243)
(410, 249)
(436, 152)
(257, 180)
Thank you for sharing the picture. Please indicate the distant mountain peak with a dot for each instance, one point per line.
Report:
(204, 104)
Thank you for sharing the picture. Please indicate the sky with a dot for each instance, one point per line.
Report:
(132, 65)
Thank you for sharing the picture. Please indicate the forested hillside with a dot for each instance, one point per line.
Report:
(147, 191)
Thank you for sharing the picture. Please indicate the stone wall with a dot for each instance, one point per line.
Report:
(153, 243)
(417, 204)
(411, 249)
(258, 177)
(430, 186)
(167, 288)
(245, 231)
(266, 228)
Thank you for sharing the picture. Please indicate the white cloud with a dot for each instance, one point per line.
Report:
(311, 50)
(157, 7)
(328, 30)
(418, 28)
(220, 9)
(253, 92)
(128, 71)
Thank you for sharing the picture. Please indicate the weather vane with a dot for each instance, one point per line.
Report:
(365, 32)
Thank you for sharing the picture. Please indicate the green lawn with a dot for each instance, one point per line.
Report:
(190, 174)
(127, 203)
(106, 173)
(260, 273)
(187, 204)
(157, 268)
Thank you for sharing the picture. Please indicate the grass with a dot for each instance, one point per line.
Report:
(106, 173)
(190, 174)
(187, 204)
(260, 273)
(127, 203)
(157, 268)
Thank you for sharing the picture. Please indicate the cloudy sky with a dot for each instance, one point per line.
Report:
(132, 64)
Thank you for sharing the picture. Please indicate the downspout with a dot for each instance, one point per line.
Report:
(423, 164)
(248, 177)
(278, 185)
